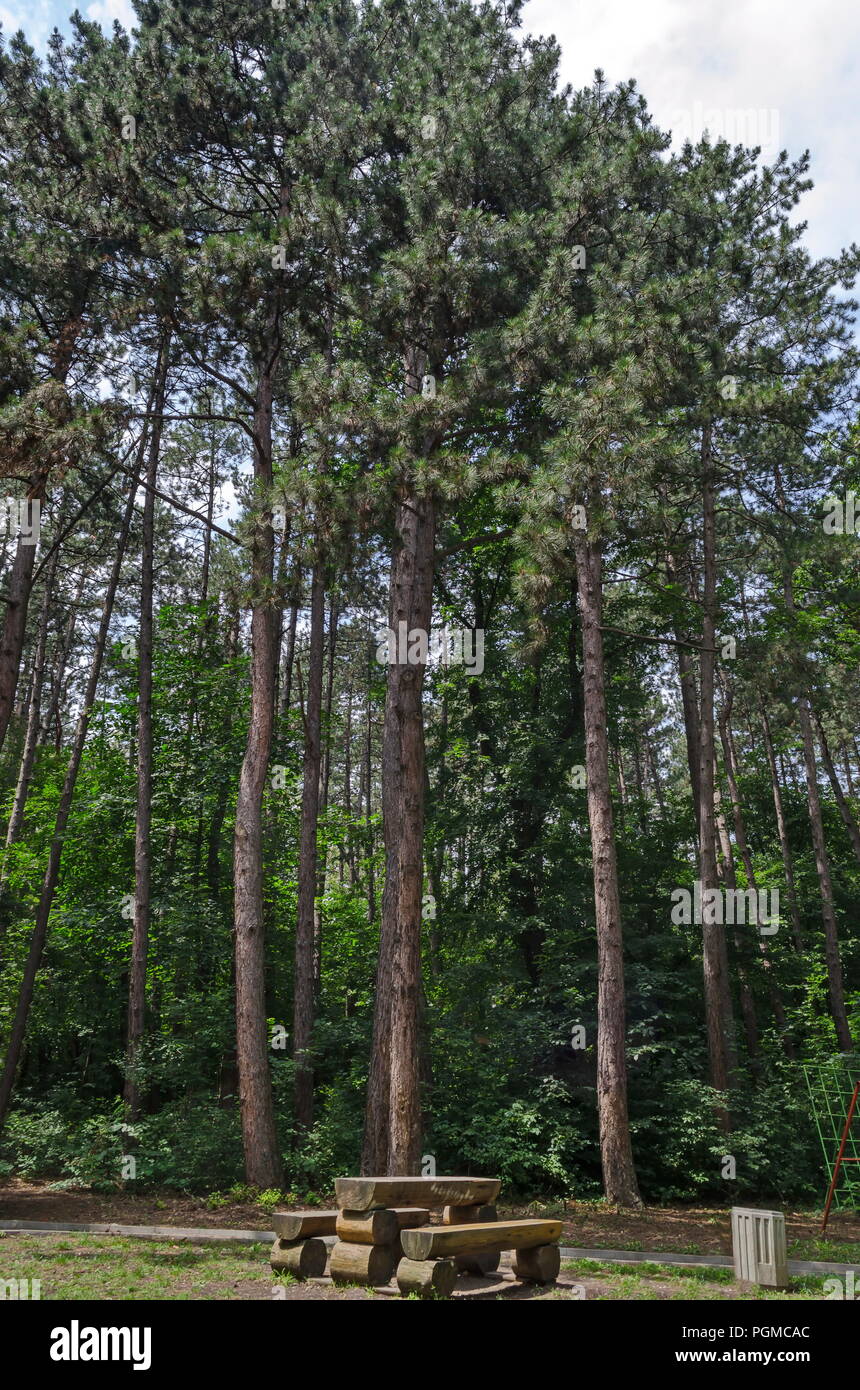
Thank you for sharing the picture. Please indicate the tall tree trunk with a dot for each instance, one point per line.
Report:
(28, 755)
(825, 883)
(370, 846)
(655, 774)
(325, 777)
(210, 514)
(846, 764)
(619, 1173)
(20, 581)
(392, 1130)
(262, 1159)
(729, 878)
(844, 809)
(731, 765)
(206, 628)
(639, 782)
(347, 790)
(143, 820)
(718, 1004)
(836, 988)
(687, 681)
(290, 650)
(49, 882)
(303, 973)
(527, 827)
(18, 585)
(782, 830)
(219, 812)
(59, 665)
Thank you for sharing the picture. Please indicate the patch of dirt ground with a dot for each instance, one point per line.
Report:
(690, 1230)
(681, 1229)
(34, 1201)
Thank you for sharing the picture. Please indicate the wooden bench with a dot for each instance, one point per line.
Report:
(431, 1254)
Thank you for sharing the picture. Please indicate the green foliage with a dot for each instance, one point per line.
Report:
(299, 136)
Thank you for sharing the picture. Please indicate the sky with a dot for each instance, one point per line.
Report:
(777, 73)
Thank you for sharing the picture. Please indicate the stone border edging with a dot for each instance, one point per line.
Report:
(114, 1228)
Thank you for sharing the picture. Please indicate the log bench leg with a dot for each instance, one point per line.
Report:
(305, 1259)
(539, 1265)
(460, 1216)
(427, 1278)
(370, 1265)
(481, 1264)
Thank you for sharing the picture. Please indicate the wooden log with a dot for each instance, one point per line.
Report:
(483, 1264)
(379, 1227)
(407, 1217)
(411, 1216)
(362, 1194)
(431, 1242)
(427, 1278)
(540, 1265)
(459, 1216)
(361, 1264)
(296, 1225)
(306, 1259)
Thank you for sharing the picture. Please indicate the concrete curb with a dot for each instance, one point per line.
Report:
(113, 1228)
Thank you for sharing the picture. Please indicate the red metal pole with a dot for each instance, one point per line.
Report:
(851, 1108)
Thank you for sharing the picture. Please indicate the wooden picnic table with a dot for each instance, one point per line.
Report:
(383, 1225)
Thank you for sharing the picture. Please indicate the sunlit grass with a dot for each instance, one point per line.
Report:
(642, 1281)
(111, 1267)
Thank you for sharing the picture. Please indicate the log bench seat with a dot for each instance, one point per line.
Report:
(433, 1255)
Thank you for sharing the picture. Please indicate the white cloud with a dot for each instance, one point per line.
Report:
(36, 19)
(39, 17)
(742, 61)
(104, 12)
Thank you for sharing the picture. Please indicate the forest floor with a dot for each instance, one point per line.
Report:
(81, 1266)
(689, 1230)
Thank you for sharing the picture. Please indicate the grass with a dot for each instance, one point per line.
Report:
(111, 1267)
(72, 1266)
(655, 1281)
(843, 1252)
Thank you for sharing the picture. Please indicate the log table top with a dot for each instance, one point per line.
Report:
(363, 1194)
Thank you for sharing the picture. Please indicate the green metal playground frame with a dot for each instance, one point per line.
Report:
(834, 1090)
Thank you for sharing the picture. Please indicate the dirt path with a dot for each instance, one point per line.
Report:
(690, 1230)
